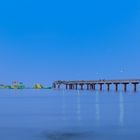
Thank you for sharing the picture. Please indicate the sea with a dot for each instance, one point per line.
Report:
(69, 115)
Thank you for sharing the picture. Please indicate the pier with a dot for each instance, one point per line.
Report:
(92, 84)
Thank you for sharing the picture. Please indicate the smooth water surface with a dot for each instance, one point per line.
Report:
(69, 115)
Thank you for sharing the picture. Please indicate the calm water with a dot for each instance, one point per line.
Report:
(69, 115)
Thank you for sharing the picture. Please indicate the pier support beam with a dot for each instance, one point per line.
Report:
(88, 86)
(58, 86)
(66, 86)
(135, 86)
(108, 86)
(82, 85)
(101, 86)
(116, 86)
(94, 86)
(71, 86)
(125, 86)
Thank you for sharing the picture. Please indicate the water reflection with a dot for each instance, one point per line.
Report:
(78, 110)
(121, 105)
(97, 106)
(63, 107)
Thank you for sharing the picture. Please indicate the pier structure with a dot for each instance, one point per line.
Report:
(92, 84)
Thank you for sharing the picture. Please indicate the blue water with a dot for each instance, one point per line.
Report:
(69, 115)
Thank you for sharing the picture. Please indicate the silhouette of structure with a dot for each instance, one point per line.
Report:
(91, 85)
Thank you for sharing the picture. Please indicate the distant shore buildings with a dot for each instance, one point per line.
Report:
(17, 85)
(38, 86)
(20, 85)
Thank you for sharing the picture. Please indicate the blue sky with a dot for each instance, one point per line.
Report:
(42, 41)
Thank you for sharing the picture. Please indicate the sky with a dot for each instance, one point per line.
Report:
(42, 41)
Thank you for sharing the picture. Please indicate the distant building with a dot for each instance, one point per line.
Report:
(37, 86)
(17, 85)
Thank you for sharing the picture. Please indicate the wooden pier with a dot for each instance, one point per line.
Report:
(91, 85)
